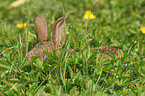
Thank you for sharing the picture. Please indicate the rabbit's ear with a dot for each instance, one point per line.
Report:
(57, 34)
(40, 25)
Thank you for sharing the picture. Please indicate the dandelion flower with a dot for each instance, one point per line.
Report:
(114, 74)
(104, 28)
(143, 30)
(22, 25)
(67, 32)
(91, 16)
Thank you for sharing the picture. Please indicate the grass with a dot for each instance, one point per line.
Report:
(74, 72)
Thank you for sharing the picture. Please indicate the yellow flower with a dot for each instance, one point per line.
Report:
(67, 32)
(104, 27)
(21, 25)
(143, 30)
(91, 16)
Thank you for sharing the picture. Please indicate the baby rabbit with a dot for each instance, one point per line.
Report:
(56, 37)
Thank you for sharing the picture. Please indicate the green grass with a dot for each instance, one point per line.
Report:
(79, 72)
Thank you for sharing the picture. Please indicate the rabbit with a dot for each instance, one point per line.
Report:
(45, 43)
(57, 37)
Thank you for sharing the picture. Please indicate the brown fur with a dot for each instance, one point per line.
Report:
(56, 38)
(43, 43)
(103, 49)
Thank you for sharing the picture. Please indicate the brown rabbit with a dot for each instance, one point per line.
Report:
(57, 36)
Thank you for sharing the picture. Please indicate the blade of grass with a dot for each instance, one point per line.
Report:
(62, 8)
(84, 60)
(27, 32)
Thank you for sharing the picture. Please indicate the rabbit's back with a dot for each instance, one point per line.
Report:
(104, 49)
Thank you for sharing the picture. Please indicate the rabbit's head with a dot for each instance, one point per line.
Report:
(56, 37)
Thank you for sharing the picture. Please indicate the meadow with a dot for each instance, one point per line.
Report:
(73, 71)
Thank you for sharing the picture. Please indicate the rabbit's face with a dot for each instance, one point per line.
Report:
(38, 50)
